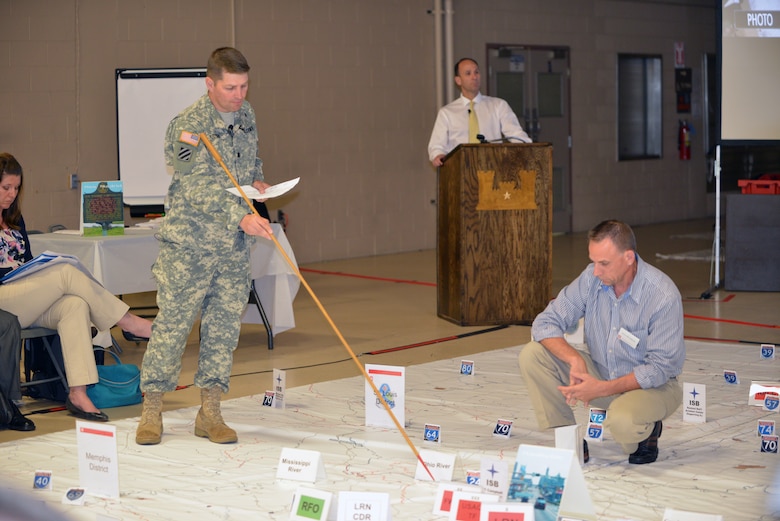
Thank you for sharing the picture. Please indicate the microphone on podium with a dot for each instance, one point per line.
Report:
(481, 139)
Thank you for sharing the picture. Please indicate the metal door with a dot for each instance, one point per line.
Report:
(535, 82)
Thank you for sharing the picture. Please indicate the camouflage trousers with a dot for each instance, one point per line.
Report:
(189, 282)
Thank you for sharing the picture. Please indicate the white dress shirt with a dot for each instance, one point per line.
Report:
(496, 120)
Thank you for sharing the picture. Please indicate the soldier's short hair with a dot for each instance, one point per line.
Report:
(619, 232)
(226, 59)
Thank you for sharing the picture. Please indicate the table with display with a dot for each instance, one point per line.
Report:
(122, 263)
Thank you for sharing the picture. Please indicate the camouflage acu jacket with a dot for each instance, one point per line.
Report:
(202, 214)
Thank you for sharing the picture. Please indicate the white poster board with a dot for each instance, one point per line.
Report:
(146, 101)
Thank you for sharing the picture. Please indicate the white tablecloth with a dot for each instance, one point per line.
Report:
(123, 265)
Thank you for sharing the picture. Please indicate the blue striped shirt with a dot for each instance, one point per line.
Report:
(651, 310)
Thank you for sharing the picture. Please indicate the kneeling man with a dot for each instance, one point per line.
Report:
(633, 352)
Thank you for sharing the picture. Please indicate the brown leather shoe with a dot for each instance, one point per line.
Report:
(647, 452)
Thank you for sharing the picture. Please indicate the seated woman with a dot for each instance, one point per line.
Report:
(60, 297)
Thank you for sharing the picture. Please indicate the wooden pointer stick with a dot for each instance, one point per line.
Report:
(218, 158)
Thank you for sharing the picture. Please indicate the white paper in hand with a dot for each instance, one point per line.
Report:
(270, 192)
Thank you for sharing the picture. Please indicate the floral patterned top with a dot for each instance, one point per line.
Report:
(12, 248)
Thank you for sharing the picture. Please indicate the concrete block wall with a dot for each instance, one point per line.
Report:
(344, 93)
(639, 192)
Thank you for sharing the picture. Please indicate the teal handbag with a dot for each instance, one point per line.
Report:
(118, 384)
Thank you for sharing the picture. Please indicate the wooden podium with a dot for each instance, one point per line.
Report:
(494, 228)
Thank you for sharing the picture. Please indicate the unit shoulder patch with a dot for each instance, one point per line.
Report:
(185, 150)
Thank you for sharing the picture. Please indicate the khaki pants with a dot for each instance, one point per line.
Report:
(631, 416)
(63, 298)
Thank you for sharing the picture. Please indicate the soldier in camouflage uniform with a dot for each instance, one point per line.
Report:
(203, 265)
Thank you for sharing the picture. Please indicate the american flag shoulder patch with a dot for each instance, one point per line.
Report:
(189, 138)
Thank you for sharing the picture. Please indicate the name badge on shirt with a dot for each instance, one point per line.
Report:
(627, 338)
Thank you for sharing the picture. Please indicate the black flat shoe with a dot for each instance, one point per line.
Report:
(84, 415)
(647, 452)
(132, 338)
(585, 451)
(19, 422)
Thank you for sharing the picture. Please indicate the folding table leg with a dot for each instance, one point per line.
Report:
(255, 299)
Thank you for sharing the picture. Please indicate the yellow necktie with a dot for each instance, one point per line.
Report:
(473, 124)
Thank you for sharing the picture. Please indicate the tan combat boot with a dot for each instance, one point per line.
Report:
(209, 423)
(150, 427)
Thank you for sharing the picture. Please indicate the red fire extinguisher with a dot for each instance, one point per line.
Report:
(684, 140)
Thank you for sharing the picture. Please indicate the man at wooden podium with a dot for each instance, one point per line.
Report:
(473, 117)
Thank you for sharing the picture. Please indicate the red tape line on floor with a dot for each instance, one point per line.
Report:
(434, 341)
(368, 277)
(729, 321)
